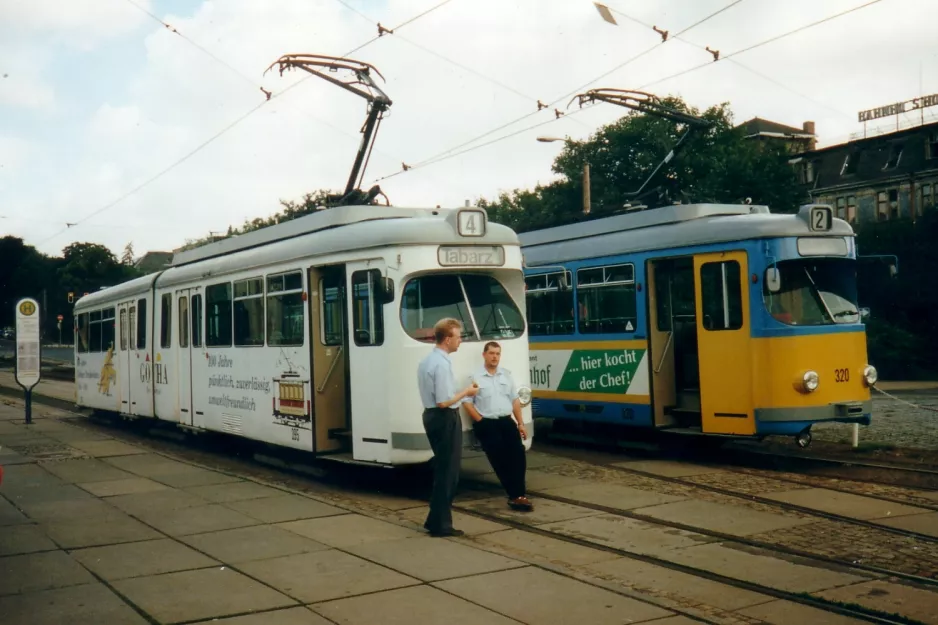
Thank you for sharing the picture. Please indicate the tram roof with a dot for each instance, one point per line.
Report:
(668, 227)
(332, 231)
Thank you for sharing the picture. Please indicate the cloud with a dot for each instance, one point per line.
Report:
(79, 23)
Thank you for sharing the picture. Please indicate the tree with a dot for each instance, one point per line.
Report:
(715, 165)
(127, 258)
(88, 266)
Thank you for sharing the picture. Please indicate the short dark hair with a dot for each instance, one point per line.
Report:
(490, 345)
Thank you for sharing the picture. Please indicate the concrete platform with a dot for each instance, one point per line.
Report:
(844, 504)
(724, 518)
(914, 603)
(612, 495)
(628, 534)
(667, 468)
(922, 523)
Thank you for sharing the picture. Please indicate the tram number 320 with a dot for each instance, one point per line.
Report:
(841, 375)
(295, 433)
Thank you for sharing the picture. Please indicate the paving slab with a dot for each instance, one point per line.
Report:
(545, 511)
(532, 595)
(288, 616)
(26, 498)
(385, 500)
(9, 515)
(40, 571)
(28, 476)
(17, 539)
(627, 534)
(252, 543)
(233, 491)
(88, 604)
(201, 594)
(641, 576)
(194, 476)
(431, 559)
(914, 603)
(196, 519)
(721, 517)
(539, 480)
(284, 507)
(8, 457)
(139, 559)
(678, 620)
(543, 548)
(788, 613)
(103, 449)
(348, 530)
(408, 606)
(325, 575)
(84, 470)
(922, 523)
(85, 507)
(613, 495)
(148, 464)
(127, 486)
(844, 504)
(165, 500)
(106, 530)
(471, 525)
(933, 495)
(667, 468)
(754, 566)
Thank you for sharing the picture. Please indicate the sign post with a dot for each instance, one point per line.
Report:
(28, 350)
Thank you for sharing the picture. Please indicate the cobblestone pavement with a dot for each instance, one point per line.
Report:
(833, 539)
(894, 423)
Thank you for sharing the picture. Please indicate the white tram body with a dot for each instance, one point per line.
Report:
(308, 334)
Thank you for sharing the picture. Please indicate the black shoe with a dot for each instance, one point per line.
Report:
(444, 533)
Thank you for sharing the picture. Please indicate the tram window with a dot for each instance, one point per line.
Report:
(108, 334)
(721, 296)
(94, 331)
(429, 298)
(183, 322)
(285, 309)
(549, 308)
(674, 291)
(83, 329)
(123, 329)
(166, 320)
(218, 315)
(197, 320)
(820, 291)
(249, 312)
(331, 314)
(142, 324)
(606, 300)
(131, 326)
(367, 313)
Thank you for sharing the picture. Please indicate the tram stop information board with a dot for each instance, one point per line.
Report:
(28, 349)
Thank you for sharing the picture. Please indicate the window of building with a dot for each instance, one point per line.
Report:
(932, 145)
(549, 307)
(606, 299)
(851, 161)
(166, 320)
(882, 206)
(852, 209)
(82, 329)
(218, 315)
(842, 207)
(367, 311)
(285, 309)
(108, 330)
(141, 324)
(895, 154)
(721, 296)
(183, 321)
(197, 320)
(249, 312)
(894, 203)
(926, 198)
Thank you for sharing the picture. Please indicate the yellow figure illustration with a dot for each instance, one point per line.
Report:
(108, 374)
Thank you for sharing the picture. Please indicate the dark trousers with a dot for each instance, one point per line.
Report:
(501, 442)
(444, 429)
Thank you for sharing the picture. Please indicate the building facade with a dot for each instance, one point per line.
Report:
(874, 179)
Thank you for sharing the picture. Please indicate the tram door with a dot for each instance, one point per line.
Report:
(184, 355)
(329, 344)
(124, 353)
(724, 343)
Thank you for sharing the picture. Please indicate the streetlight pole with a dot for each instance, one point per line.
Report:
(586, 172)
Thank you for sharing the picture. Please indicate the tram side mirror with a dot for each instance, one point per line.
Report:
(893, 270)
(864, 313)
(384, 290)
(773, 280)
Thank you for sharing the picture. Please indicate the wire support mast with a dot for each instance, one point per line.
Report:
(649, 104)
(363, 85)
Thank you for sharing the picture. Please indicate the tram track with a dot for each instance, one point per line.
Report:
(223, 454)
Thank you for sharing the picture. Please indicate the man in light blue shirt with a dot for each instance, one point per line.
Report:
(441, 422)
(499, 426)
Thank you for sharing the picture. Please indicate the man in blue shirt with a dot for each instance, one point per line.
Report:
(500, 435)
(441, 422)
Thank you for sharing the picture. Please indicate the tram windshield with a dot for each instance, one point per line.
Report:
(479, 301)
(820, 291)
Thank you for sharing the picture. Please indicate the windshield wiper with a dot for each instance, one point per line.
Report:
(845, 313)
(817, 293)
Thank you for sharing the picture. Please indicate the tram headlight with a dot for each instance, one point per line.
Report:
(870, 375)
(524, 394)
(810, 381)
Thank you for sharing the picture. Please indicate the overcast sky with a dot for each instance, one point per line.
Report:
(97, 97)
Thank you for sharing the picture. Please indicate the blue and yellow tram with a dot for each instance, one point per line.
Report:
(699, 318)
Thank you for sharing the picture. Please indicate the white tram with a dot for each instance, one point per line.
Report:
(307, 334)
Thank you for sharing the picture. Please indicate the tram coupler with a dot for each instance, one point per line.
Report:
(803, 438)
